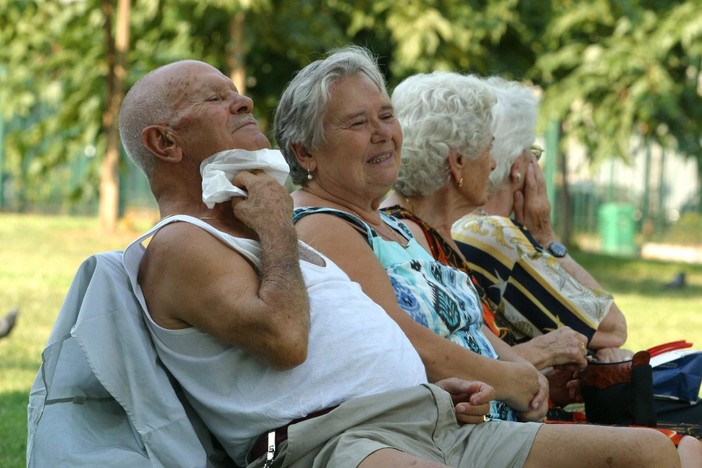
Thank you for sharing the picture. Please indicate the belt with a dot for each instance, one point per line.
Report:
(281, 434)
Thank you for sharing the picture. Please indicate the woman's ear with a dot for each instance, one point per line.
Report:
(456, 162)
(161, 142)
(303, 156)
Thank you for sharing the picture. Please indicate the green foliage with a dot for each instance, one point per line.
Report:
(609, 69)
(617, 69)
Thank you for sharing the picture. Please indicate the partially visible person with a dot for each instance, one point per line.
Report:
(526, 271)
(250, 321)
(7, 323)
(444, 175)
(336, 126)
(519, 263)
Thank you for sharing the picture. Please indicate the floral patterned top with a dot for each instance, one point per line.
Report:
(445, 253)
(435, 295)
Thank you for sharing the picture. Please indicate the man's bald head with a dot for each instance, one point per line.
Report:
(150, 101)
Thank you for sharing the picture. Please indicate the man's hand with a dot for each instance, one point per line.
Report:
(268, 206)
(471, 399)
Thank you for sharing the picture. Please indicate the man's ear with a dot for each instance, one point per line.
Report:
(161, 142)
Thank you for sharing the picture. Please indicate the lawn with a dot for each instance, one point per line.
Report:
(40, 255)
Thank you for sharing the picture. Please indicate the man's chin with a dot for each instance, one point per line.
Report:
(255, 142)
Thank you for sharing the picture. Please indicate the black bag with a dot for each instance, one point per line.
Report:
(619, 393)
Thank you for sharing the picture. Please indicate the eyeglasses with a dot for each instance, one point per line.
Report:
(536, 151)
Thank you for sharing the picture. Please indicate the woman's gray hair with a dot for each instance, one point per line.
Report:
(299, 117)
(148, 102)
(439, 112)
(513, 125)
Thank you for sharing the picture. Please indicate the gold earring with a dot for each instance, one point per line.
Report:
(460, 182)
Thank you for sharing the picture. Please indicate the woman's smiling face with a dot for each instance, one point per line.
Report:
(361, 151)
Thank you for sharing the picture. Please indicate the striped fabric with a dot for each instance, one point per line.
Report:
(535, 294)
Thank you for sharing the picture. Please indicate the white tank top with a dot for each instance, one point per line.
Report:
(355, 349)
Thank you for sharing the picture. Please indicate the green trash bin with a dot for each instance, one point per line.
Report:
(617, 228)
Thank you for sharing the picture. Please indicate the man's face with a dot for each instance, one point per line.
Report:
(210, 115)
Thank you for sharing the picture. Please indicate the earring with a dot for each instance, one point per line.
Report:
(309, 174)
(518, 177)
(460, 182)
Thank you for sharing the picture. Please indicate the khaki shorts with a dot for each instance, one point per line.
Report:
(419, 421)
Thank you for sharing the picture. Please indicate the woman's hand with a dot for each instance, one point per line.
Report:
(564, 385)
(612, 355)
(531, 205)
(521, 386)
(471, 399)
(561, 346)
(538, 404)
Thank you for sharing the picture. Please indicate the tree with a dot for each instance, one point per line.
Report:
(116, 46)
(615, 70)
(609, 70)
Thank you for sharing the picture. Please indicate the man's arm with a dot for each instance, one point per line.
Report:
(190, 278)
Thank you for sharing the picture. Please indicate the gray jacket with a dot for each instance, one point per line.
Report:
(101, 396)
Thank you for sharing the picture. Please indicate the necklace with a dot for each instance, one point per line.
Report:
(211, 218)
(389, 233)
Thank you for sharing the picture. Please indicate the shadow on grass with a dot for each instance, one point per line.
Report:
(13, 430)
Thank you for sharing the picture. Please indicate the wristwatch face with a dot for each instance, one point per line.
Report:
(557, 249)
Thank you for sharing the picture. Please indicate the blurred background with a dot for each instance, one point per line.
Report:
(620, 119)
(621, 96)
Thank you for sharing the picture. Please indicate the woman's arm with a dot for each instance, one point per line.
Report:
(539, 404)
(516, 383)
(533, 210)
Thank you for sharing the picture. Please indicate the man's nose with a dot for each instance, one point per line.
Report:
(241, 104)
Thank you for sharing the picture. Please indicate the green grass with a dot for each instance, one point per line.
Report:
(654, 314)
(39, 256)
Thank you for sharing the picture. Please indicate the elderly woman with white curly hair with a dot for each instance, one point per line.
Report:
(519, 262)
(445, 165)
(444, 174)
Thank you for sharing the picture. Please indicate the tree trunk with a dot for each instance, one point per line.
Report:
(235, 51)
(116, 51)
(565, 227)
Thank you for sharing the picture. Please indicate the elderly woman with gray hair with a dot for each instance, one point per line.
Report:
(336, 126)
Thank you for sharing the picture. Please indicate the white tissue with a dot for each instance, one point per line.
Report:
(219, 169)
